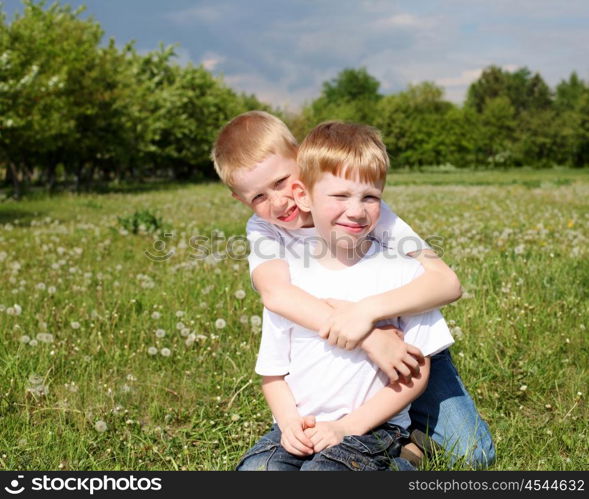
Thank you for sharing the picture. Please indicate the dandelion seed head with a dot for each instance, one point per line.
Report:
(180, 313)
(220, 323)
(45, 337)
(75, 325)
(180, 325)
(240, 294)
(24, 339)
(166, 352)
(160, 333)
(255, 320)
(100, 426)
(33, 342)
(523, 388)
(156, 315)
(152, 350)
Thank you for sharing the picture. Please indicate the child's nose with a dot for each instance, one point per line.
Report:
(278, 202)
(355, 209)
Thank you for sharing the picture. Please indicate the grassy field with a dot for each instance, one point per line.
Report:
(112, 359)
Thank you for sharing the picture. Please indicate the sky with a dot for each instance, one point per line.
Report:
(283, 50)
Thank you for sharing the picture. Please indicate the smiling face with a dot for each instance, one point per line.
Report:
(267, 189)
(344, 211)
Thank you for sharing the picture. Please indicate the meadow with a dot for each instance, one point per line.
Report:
(128, 349)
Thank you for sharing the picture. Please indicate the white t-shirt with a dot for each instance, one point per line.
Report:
(268, 241)
(329, 382)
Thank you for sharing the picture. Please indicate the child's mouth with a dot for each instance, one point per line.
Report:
(353, 228)
(290, 215)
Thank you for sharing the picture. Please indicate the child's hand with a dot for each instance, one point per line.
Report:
(293, 437)
(325, 434)
(348, 324)
(391, 354)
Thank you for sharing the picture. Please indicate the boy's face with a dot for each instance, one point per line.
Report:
(344, 211)
(267, 189)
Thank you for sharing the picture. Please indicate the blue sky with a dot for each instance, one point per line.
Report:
(283, 50)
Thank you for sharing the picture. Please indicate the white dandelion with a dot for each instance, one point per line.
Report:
(24, 339)
(166, 352)
(156, 315)
(152, 350)
(220, 323)
(100, 426)
(45, 337)
(160, 333)
(240, 294)
(180, 313)
(75, 325)
(255, 320)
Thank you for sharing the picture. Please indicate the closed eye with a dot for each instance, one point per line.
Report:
(281, 181)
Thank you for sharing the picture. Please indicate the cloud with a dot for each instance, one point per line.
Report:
(406, 21)
(466, 78)
(284, 51)
(210, 61)
(195, 15)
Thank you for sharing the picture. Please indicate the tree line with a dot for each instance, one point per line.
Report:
(508, 119)
(76, 110)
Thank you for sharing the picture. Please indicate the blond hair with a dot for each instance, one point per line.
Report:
(248, 139)
(348, 150)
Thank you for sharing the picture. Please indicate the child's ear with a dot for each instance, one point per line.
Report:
(301, 195)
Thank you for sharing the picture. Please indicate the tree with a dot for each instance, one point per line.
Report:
(570, 92)
(351, 96)
(525, 91)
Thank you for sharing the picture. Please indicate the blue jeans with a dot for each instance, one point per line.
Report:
(375, 451)
(447, 413)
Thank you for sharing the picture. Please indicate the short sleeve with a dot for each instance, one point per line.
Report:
(265, 242)
(394, 233)
(428, 331)
(274, 354)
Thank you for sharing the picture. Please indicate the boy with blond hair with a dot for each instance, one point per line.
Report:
(255, 156)
(352, 415)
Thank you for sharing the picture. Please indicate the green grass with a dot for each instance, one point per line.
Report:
(517, 239)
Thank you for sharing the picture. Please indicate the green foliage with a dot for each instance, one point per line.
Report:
(75, 111)
(351, 96)
(70, 106)
(141, 221)
(524, 90)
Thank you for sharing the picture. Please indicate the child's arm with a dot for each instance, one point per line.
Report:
(283, 407)
(385, 404)
(272, 280)
(350, 322)
(388, 351)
